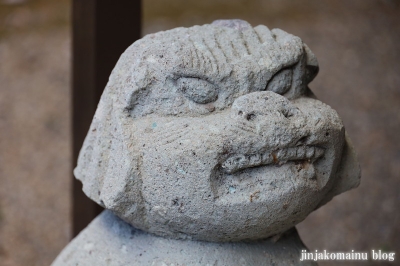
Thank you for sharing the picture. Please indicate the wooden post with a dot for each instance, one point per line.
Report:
(101, 31)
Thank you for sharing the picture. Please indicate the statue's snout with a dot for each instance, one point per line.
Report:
(268, 114)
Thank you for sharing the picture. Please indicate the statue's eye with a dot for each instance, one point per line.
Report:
(198, 90)
(280, 82)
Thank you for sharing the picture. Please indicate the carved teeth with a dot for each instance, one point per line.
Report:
(291, 152)
(318, 152)
(241, 161)
(310, 152)
(301, 152)
(255, 159)
(267, 157)
(281, 153)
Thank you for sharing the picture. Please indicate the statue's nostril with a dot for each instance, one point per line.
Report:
(262, 105)
(287, 113)
(250, 117)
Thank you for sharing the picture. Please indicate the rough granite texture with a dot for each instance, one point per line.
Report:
(211, 133)
(110, 241)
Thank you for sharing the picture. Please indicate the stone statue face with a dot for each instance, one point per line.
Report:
(211, 133)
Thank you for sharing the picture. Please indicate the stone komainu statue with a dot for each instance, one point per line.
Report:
(211, 133)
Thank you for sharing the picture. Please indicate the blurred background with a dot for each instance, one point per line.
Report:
(356, 42)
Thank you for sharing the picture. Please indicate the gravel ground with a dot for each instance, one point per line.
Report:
(356, 43)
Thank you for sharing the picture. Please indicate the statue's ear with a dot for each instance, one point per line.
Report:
(93, 157)
(348, 174)
(108, 161)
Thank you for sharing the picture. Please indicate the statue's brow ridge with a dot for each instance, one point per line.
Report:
(209, 52)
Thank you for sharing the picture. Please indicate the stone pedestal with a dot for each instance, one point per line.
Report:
(110, 241)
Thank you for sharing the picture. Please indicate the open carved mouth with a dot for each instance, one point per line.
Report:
(239, 162)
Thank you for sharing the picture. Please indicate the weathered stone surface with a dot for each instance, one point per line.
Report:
(110, 241)
(211, 133)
